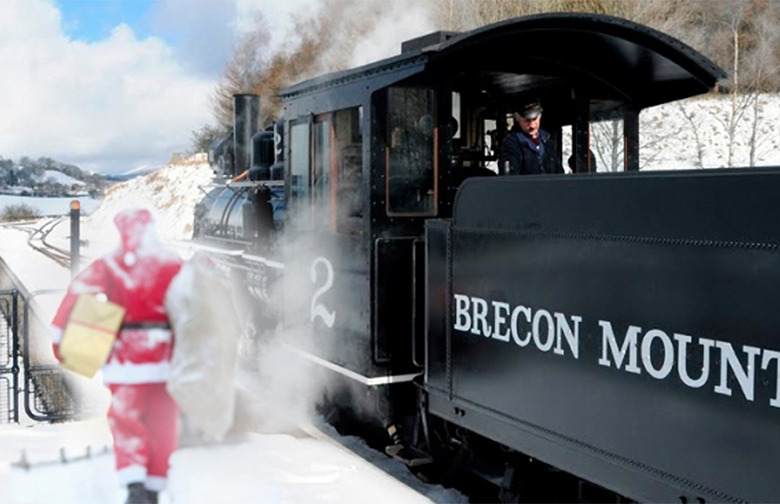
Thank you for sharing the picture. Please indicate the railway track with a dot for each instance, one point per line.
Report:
(39, 238)
(42, 391)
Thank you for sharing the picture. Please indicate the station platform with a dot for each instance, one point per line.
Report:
(261, 460)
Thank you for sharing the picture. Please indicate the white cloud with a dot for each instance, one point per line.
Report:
(124, 102)
(202, 34)
(109, 106)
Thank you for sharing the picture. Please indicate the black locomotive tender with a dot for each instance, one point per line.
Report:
(609, 331)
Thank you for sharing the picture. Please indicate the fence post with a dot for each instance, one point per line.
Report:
(75, 239)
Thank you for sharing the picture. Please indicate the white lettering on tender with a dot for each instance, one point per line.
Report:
(618, 354)
(745, 377)
(770, 355)
(500, 311)
(668, 354)
(548, 331)
(653, 351)
(656, 340)
(682, 349)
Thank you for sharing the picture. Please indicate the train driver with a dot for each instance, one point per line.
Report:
(528, 149)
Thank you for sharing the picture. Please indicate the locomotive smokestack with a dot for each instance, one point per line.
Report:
(246, 110)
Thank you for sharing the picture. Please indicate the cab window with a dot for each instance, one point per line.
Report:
(411, 144)
(350, 199)
(320, 169)
(326, 164)
(299, 172)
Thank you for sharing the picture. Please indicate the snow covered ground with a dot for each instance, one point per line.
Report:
(255, 467)
(257, 463)
(270, 464)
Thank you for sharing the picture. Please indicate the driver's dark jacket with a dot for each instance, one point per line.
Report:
(516, 157)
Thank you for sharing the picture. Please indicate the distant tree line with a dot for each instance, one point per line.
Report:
(741, 36)
(18, 212)
(27, 177)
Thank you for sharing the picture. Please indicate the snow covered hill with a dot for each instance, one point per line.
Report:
(700, 132)
(59, 178)
(170, 193)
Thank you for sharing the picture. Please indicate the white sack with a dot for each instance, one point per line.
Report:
(200, 306)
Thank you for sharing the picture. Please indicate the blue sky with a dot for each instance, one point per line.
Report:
(93, 20)
(116, 85)
(199, 31)
(110, 85)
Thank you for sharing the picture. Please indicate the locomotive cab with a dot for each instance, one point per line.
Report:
(374, 152)
(379, 153)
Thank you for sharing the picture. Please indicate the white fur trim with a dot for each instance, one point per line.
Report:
(131, 474)
(56, 334)
(156, 483)
(133, 374)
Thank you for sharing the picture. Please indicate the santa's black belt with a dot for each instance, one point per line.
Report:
(145, 325)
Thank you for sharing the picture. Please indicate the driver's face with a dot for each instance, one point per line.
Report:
(531, 126)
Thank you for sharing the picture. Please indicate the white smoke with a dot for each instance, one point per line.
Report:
(285, 375)
(396, 21)
(401, 20)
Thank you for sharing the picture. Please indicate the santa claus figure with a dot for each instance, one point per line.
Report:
(143, 417)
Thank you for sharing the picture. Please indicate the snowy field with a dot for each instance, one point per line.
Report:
(267, 465)
(50, 206)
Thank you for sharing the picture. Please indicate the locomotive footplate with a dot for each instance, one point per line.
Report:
(409, 455)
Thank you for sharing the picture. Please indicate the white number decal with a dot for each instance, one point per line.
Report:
(317, 309)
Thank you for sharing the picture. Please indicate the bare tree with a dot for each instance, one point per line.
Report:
(761, 63)
(698, 137)
(325, 44)
(739, 20)
(202, 138)
(456, 15)
(241, 72)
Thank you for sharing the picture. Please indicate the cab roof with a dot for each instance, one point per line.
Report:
(601, 57)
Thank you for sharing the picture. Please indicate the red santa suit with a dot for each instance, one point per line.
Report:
(142, 416)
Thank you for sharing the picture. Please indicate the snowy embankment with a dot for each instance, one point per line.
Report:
(704, 132)
(700, 132)
(170, 193)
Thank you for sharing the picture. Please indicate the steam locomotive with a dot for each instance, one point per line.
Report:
(597, 335)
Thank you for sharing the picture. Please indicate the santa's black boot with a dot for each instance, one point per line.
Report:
(151, 497)
(137, 494)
